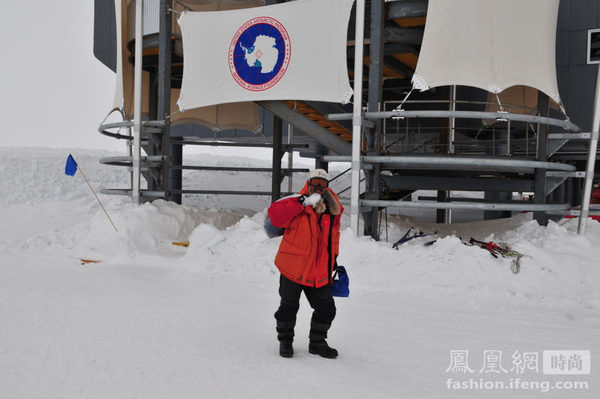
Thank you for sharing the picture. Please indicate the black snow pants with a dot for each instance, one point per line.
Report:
(320, 299)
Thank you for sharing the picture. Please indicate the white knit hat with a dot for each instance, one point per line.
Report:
(319, 174)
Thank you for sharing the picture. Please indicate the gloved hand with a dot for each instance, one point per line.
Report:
(320, 207)
(327, 197)
(334, 207)
(312, 200)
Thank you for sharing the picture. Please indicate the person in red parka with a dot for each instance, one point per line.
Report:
(305, 259)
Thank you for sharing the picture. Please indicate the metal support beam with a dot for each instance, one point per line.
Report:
(579, 175)
(373, 135)
(287, 147)
(404, 35)
(555, 145)
(463, 199)
(152, 146)
(408, 183)
(451, 139)
(171, 178)
(570, 136)
(441, 214)
(542, 156)
(591, 161)
(125, 191)
(436, 162)
(407, 9)
(500, 147)
(237, 169)
(229, 192)
(565, 124)
(399, 48)
(517, 206)
(175, 176)
(320, 164)
(137, 103)
(308, 127)
(398, 67)
(277, 155)
(357, 114)
(388, 49)
(290, 141)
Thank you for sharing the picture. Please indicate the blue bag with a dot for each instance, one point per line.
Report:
(271, 230)
(341, 282)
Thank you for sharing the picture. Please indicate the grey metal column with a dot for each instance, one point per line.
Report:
(290, 149)
(441, 213)
(371, 218)
(357, 115)
(277, 142)
(501, 147)
(137, 108)
(320, 164)
(174, 173)
(447, 146)
(591, 161)
(152, 145)
(171, 178)
(542, 155)
(277, 155)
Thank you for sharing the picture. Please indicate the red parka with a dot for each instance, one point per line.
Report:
(310, 241)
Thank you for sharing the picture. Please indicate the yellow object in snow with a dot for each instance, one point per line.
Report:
(181, 243)
(86, 261)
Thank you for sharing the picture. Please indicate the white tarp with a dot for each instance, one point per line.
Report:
(294, 50)
(490, 44)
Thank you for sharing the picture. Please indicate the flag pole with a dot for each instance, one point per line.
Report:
(137, 102)
(591, 161)
(96, 195)
(357, 116)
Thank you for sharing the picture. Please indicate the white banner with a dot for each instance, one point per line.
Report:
(294, 51)
(489, 44)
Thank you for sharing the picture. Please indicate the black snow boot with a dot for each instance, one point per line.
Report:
(317, 344)
(285, 335)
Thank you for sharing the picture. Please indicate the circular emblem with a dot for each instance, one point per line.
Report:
(259, 53)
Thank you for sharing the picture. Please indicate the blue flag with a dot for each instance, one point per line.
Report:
(71, 166)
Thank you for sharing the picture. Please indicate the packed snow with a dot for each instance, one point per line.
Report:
(154, 320)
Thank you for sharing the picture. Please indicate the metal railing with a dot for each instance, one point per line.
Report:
(404, 133)
(148, 162)
(504, 163)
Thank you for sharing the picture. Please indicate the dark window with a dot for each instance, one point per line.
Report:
(594, 46)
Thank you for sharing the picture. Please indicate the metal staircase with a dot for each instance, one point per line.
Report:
(317, 117)
(152, 166)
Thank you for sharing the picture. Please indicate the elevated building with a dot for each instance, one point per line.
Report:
(448, 138)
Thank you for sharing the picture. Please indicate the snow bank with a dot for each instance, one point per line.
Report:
(557, 270)
(559, 267)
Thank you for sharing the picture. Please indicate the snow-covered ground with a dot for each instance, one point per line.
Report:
(154, 320)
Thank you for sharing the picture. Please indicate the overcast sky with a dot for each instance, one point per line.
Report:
(54, 91)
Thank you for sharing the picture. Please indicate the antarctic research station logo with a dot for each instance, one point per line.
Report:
(259, 53)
